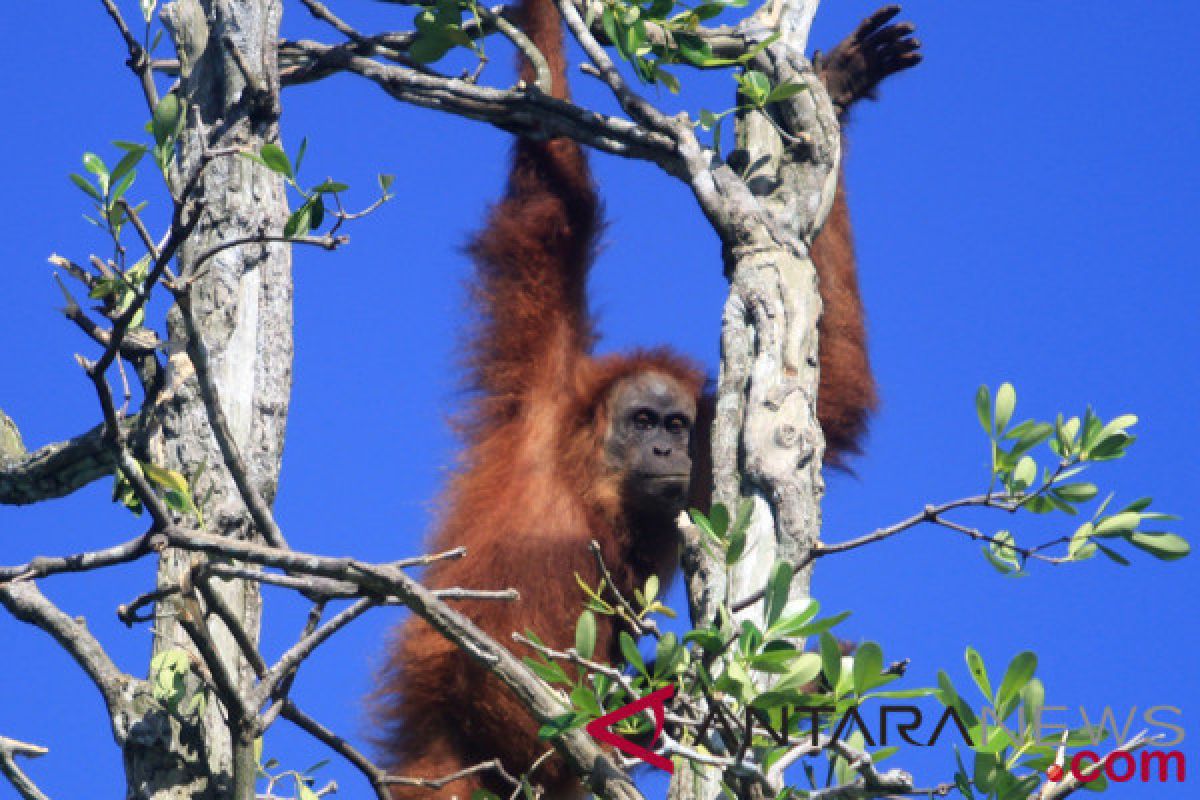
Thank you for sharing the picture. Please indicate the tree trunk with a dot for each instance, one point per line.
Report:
(242, 300)
(767, 441)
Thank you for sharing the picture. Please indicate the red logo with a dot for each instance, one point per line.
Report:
(598, 728)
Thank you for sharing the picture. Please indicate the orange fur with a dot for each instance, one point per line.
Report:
(534, 486)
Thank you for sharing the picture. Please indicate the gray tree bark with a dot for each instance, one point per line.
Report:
(767, 441)
(242, 301)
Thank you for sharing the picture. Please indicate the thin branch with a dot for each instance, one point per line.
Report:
(291, 660)
(191, 618)
(292, 713)
(933, 514)
(517, 111)
(437, 783)
(43, 566)
(25, 601)
(139, 60)
(1070, 783)
(9, 749)
(583, 755)
(633, 104)
(59, 469)
(640, 626)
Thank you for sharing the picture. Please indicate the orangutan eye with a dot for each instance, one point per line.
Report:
(644, 419)
(677, 423)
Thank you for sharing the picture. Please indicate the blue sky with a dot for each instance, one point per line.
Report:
(1024, 205)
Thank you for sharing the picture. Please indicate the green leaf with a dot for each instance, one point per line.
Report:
(1024, 474)
(785, 90)
(86, 186)
(300, 153)
(1110, 447)
(1164, 546)
(1006, 403)
(755, 86)
(1000, 553)
(831, 658)
(630, 651)
(300, 222)
(979, 672)
(1081, 547)
(983, 407)
(1016, 677)
(608, 20)
(719, 517)
(167, 119)
(585, 635)
(1119, 524)
(651, 590)
(779, 586)
(668, 654)
(693, 49)
(789, 625)
(1113, 555)
(126, 164)
(1076, 492)
(868, 664)
(806, 667)
(736, 547)
(549, 671)
(385, 182)
(330, 186)
(276, 160)
(166, 478)
(813, 628)
(95, 165)
(666, 79)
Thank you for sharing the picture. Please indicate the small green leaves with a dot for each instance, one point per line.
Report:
(167, 121)
(983, 408)
(275, 159)
(784, 91)
(979, 672)
(439, 29)
(1006, 403)
(1001, 553)
(831, 658)
(168, 677)
(778, 587)
(176, 492)
(754, 86)
(868, 667)
(630, 651)
(1163, 546)
(1016, 677)
(585, 634)
(385, 183)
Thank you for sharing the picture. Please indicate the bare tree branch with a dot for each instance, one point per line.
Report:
(525, 111)
(25, 602)
(58, 469)
(9, 749)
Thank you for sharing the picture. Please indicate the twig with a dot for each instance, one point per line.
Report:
(640, 626)
(43, 566)
(25, 601)
(139, 60)
(9, 749)
(634, 104)
(292, 713)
